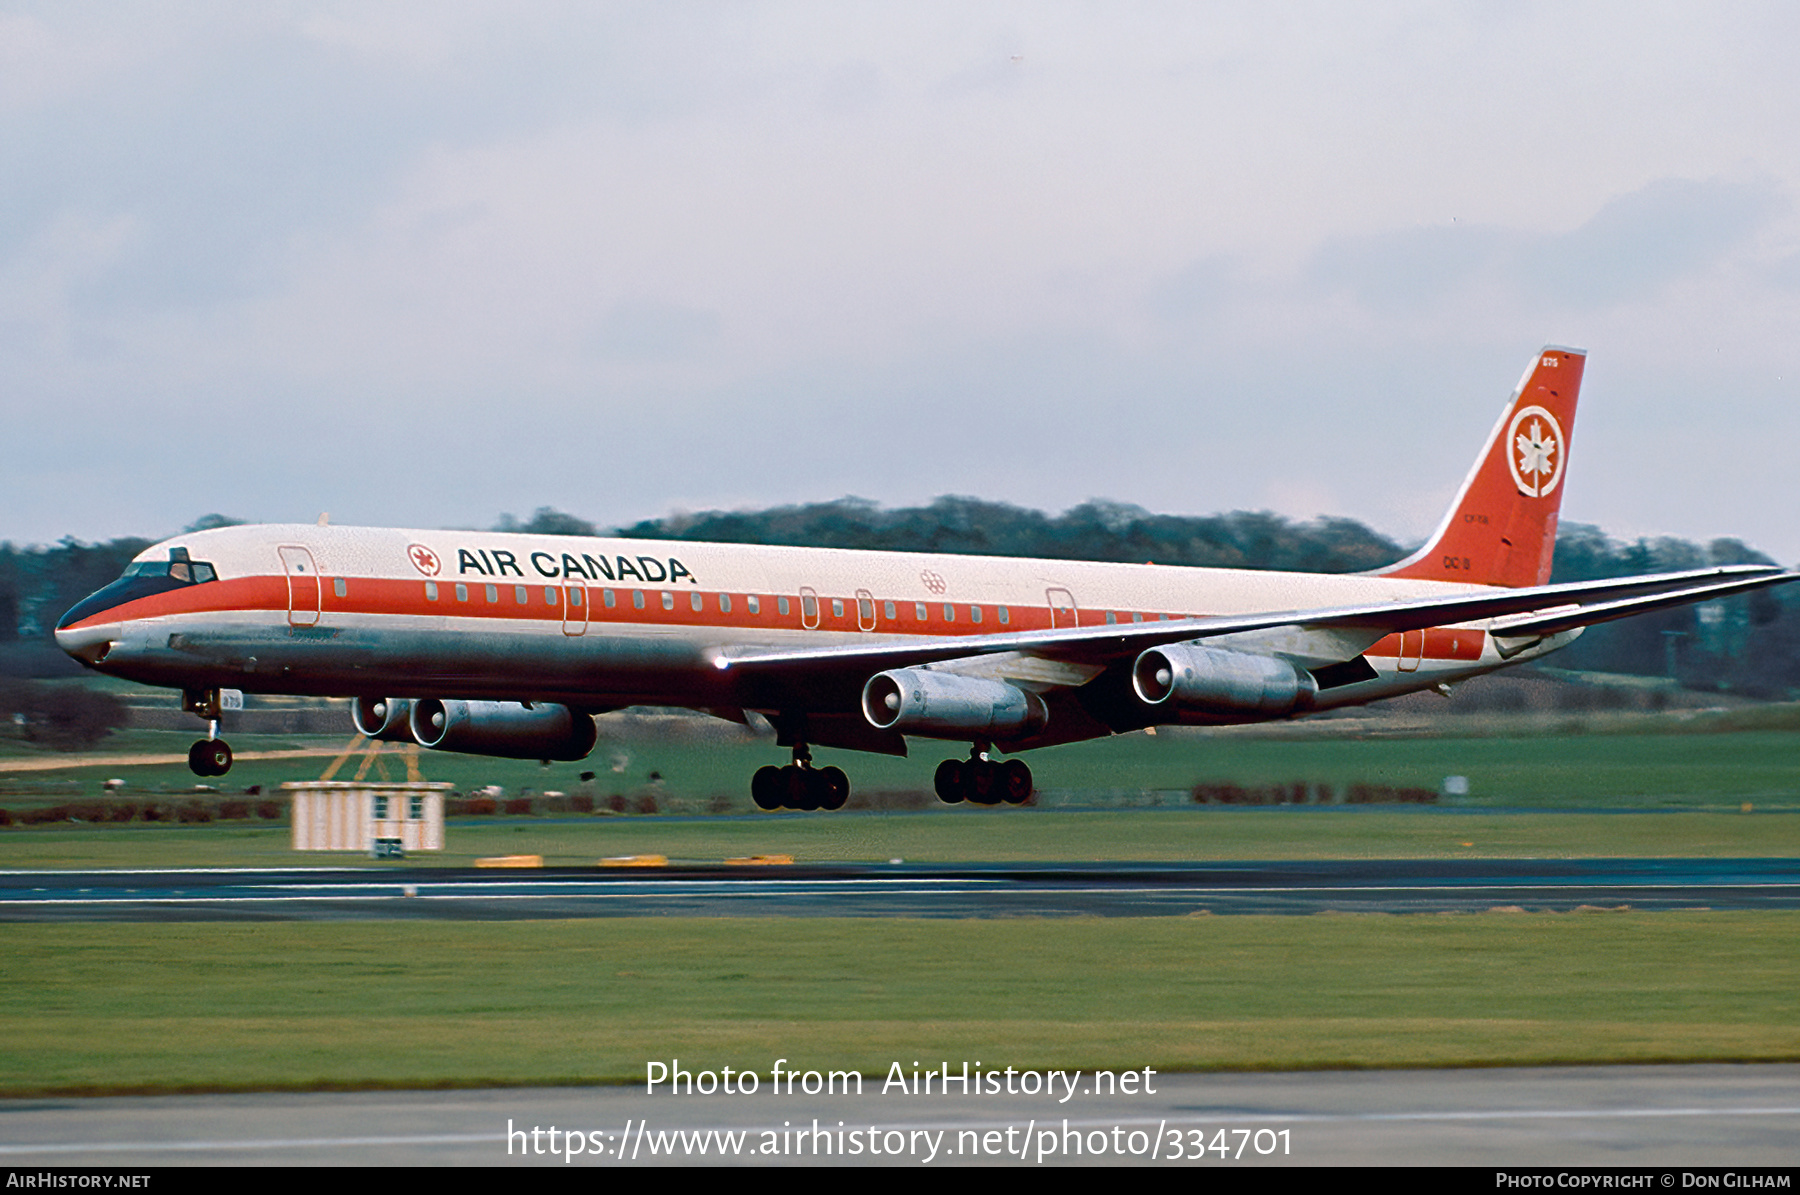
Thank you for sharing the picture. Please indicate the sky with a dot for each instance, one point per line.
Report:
(422, 264)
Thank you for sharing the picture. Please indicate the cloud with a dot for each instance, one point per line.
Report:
(1631, 248)
(656, 331)
(1638, 243)
(1201, 288)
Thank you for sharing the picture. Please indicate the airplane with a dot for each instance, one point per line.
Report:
(507, 645)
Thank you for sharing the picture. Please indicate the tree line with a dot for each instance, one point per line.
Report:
(1749, 645)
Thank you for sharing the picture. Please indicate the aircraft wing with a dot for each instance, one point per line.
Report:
(1552, 622)
(1523, 614)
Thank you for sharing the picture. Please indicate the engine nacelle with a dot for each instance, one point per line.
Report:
(944, 705)
(1209, 684)
(383, 718)
(503, 728)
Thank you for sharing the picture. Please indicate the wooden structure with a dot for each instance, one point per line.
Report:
(384, 820)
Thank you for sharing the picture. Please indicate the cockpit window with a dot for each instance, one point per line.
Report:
(143, 578)
(177, 568)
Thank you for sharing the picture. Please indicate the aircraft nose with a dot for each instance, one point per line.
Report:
(89, 644)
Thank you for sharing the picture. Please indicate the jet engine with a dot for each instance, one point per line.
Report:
(504, 728)
(1208, 684)
(383, 718)
(944, 705)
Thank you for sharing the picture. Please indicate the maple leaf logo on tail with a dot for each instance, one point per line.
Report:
(1535, 450)
(1501, 529)
(1536, 460)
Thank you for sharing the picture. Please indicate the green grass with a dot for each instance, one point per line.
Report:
(160, 1007)
(1002, 835)
(276, 1005)
(1541, 769)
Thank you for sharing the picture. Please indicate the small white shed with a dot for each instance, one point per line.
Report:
(381, 820)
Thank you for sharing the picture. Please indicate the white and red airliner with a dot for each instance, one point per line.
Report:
(507, 645)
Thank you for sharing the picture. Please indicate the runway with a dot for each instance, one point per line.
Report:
(1648, 1119)
(902, 890)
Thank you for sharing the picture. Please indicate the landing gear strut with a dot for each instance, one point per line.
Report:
(210, 756)
(980, 781)
(800, 785)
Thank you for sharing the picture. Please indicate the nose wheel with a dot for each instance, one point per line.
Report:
(209, 757)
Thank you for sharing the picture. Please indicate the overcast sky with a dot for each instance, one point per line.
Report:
(420, 264)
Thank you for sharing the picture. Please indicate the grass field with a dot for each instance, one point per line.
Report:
(1543, 769)
(210, 1006)
(161, 1007)
(957, 835)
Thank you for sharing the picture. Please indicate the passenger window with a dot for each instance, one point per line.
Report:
(696, 601)
(920, 613)
(1111, 617)
(781, 604)
(462, 592)
(668, 600)
(575, 592)
(520, 596)
(637, 598)
(754, 603)
(493, 594)
(809, 606)
(949, 612)
(431, 591)
(887, 608)
(1004, 618)
(337, 586)
(837, 607)
(725, 603)
(611, 599)
(974, 613)
(1136, 617)
(550, 595)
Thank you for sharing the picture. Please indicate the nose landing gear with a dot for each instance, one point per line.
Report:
(800, 785)
(210, 756)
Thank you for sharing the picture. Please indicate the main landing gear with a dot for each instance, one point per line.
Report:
(800, 785)
(977, 780)
(980, 781)
(210, 756)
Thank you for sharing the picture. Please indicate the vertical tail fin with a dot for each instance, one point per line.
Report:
(1501, 530)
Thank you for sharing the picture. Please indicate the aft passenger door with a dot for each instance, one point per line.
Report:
(304, 593)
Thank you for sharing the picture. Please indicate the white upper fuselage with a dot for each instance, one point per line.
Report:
(350, 611)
